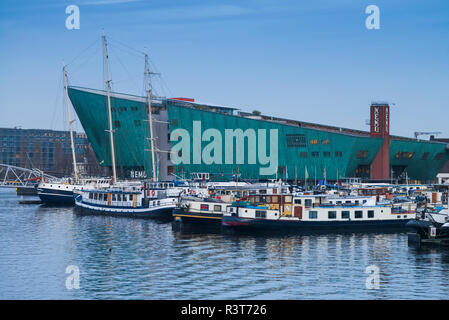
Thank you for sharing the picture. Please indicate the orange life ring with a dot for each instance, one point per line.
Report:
(153, 193)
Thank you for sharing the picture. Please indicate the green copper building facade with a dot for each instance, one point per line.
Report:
(192, 137)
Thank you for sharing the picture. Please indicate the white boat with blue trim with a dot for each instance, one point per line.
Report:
(143, 200)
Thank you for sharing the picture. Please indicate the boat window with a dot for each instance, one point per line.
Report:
(297, 201)
(308, 202)
(217, 208)
(91, 195)
(262, 199)
(358, 214)
(348, 201)
(263, 191)
(268, 199)
(114, 198)
(313, 214)
(257, 199)
(275, 199)
(96, 196)
(158, 202)
(204, 207)
(332, 214)
(364, 201)
(345, 214)
(338, 202)
(125, 197)
(370, 213)
(288, 199)
(261, 214)
(105, 197)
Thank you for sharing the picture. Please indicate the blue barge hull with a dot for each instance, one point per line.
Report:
(279, 225)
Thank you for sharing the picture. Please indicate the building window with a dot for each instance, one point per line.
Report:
(122, 109)
(116, 123)
(313, 141)
(358, 214)
(345, 214)
(281, 170)
(439, 156)
(315, 154)
(404, 155)
(361, 154)
(313, 214)
(174, 122)
(296, 140)
(338, 154)
(303, 154)
(133, 108)
(326, 154)
(112, 109)
(137, 123)
(332, 214)
(425, 155)
(326, 141)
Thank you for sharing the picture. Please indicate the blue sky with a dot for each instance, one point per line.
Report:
(306, 60)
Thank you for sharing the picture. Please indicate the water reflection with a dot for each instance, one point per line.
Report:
(143, 259)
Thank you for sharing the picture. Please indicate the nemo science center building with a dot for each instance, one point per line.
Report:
(191, 137)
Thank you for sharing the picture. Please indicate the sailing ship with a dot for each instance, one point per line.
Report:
(62, 191)
(137, 199)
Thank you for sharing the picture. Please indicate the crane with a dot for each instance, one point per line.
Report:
(419, 133)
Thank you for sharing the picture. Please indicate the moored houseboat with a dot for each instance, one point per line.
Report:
(314, 212)
(210, 208)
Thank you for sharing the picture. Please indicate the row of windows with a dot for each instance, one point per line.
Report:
(205, 207)
(123, 109)
(425, 156)
(114, 197)
(315, 141)
(358, 214)
(326, 154)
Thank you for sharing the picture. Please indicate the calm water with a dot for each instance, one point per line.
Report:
(123, 258)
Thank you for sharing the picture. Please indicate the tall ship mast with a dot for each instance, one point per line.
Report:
(111, 130)
(150, 116)
(75, 169)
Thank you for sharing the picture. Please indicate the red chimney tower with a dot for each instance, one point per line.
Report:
(380, 128)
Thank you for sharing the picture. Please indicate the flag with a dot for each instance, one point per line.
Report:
(306, 174)
(286, 172)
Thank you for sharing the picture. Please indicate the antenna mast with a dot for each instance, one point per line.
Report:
(75, 169)
(108, 88)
